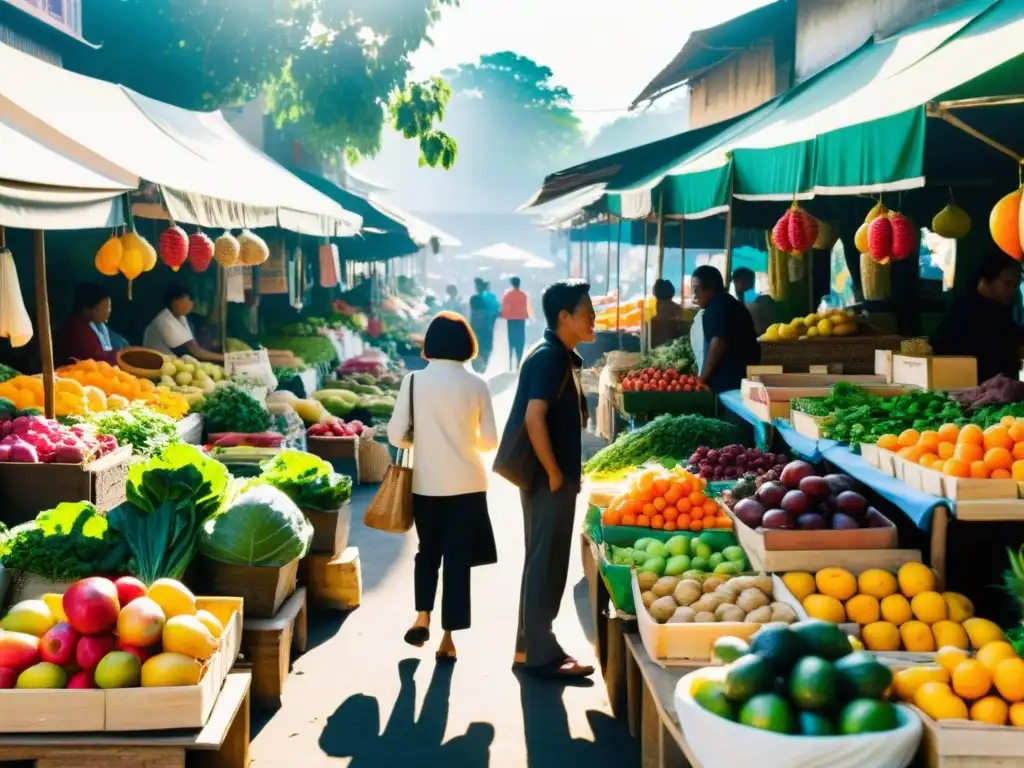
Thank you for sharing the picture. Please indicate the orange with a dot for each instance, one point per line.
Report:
(685, 489)
(660, 486)
(1018, 451)
(889, 442)
(956, 468)
(670, 514)
(657, 522)
(648, 511)
(643, 521)
(929, 439)
(946, 450)
(629, 519)
(669, 526)
(697, 498)
(1017, 431)
(990, 709)
(659, 503)
(928, 459)
(968, 452)
(912, 453)
(997, 436)
(1017, 470)
(673, 494)
(696, 525)
(1008, 421)
(971, 433)
(971, 680)
(992, 654)
(980, 470)
(909, 437)
(1009, 679)
(950, 657)
(684, 505)
(1000, 474)
(645, 497)
(1017, 715)
(710, 508)
(723, 522)
(998, 458)
(683, 521)
(697, 513)
(949, 432)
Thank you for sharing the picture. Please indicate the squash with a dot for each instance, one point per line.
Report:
(1004, 224)
(253, 250)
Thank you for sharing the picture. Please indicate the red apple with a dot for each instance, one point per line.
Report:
(142, 654)
(81, 680)
(129, 588)
(8, 677)
(91, 605)
(58, 645)
(18, 651)
(91, 649)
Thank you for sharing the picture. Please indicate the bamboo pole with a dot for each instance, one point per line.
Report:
(43, 322)
(682, 259)
(728, 232)
(660, 237)
(956, 122)
(618, 287)
(608, 259)
(644, 331)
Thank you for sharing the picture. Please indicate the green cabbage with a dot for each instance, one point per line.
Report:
(261, 526)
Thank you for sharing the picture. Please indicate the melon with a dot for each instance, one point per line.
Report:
(1004, 224)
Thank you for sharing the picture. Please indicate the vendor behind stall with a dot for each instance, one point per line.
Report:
(760, 306)
(664, 307)
(730, 343)
(980, 323)
(170, 331)
(84, 335)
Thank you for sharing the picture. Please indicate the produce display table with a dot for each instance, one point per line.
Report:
(222, 743)
(652, 716)
(609, 628)
(733, 401)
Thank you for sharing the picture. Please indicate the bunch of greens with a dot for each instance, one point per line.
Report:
(673, 438)
(147, 431)
(232, 409)
(993, 414)
(676, 354)
(843, 395)
(918, 410)
(307, 480)
(169, 497)
(69, 542)
(282, 373)
(259, 526)
(7, 373)
(312, 349)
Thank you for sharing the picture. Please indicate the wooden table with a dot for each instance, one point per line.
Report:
(651, 709)
(223, 743)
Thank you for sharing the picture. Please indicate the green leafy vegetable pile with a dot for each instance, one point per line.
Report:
(232, 409)
(147, 431)
(261, 526)
(891, 415)
(169, 497)
(676, 354)
(843, 395)
(993, 414)
(312, 349)
(7, 373)
(667, 437)
(307, 480)
(69, 542)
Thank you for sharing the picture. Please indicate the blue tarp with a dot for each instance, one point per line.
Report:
(733, 400)
(807, 448)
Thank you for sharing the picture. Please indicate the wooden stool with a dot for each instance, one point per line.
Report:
(268, 644)
(334, 581)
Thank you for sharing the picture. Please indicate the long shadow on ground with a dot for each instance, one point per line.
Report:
(354, 729)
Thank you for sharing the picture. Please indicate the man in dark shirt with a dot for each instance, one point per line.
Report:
(550, 404)
(730, 342)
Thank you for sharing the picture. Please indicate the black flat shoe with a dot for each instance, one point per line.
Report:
(417, 636)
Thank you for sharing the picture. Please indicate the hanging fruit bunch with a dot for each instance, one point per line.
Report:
(891, 237)
(174, 247)
(796, 231)
(253, 251)
(875, 275)
(226, 250)
(200, 251)
(952, 222)
(137, 256)
(108, 257)
(1004, 225)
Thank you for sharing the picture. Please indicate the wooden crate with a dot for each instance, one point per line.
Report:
(223, 742)
(807, 425)
(869, 452)
(329, 448)
(264, 588)
(330, 530)
(30, 488)
(855, 353)
(333, 581)
(935, 373)
(268, 643)
(968, 744)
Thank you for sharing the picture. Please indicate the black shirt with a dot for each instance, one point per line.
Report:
(727, 318)
(978, 327)
(546, 375)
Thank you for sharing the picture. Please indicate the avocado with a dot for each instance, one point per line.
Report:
(861, 676)
(654, 564)
(678, 545)
(867, 716)
(814, 684)
(748, 676)
(712, 697)
(676, 565)
(642, 543)
(813, 724)
(716, 560)
(700, 564)
(727, 649)
(822, 638)
(779, 645)
(768, 712)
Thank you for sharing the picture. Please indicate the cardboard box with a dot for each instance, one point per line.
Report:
(935, 373)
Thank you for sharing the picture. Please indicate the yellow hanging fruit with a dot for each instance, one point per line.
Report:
(108, 257)
(876, 211)
(131, 267)
(952, 222)
(226, 250)
(252, 250)
(860, 240)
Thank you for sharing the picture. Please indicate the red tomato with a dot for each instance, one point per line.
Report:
(688, 388)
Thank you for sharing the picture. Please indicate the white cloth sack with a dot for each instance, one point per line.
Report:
(697, 340)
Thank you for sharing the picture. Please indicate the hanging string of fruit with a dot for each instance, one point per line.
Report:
(253, 251)
(173, 246)
(875, 276)
(137, 255)
(226, 250)
(796, 231)
(200, 251)
(891, 237)
(1004, 224)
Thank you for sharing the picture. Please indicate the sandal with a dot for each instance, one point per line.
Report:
(567, 669)
(417, 636)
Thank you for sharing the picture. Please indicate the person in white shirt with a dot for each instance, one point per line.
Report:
(446, 409)
(170, 333)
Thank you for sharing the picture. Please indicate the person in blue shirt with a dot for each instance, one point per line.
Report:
(730, 342)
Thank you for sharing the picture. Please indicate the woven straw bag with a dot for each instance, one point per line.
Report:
(391, 509)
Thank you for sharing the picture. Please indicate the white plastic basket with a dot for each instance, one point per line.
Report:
(716, 741)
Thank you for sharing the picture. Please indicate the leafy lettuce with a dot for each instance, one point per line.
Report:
(307, 480)
(260, 526)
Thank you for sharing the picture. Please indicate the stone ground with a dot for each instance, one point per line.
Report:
(361, 697)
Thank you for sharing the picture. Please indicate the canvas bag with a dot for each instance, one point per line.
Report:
(391, 509)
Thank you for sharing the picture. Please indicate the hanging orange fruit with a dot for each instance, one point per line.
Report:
(1004, 224)
(876, 210)
(108, 257)
(200, 251)
(226, 250)
(174, 247)
(860, 240)
(131, 267)
(133, 241)
(253, 250)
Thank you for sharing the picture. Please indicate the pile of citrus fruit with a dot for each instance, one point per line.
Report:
(901, 611)
(988, 688)
(969, 451)
(670, 500)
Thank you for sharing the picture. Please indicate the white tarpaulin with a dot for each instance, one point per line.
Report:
(207, 174)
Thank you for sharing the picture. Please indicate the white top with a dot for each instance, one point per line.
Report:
(697, 340)
(167, 332)
(454, 427)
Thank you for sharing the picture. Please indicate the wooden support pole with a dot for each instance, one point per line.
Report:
(618, 286)
(43, 322)
(660, 238)
(644, 331)
(682, 259)
(608, 259)
(728, 234)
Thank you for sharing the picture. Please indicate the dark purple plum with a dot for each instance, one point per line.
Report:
(851, 503)
(749, 512)
(843, 522)
(777, 520)
(838, 483)
(815, 487)
(796, 502)
(811, 521)
(875, 519)
(770, 494)
(794, 472)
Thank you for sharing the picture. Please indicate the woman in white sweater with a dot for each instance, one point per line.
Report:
(446, 409)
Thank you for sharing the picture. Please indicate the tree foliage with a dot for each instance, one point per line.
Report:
(336, 69)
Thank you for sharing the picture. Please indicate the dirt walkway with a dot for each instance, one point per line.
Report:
(361, 697)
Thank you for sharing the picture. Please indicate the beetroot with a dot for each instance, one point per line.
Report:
(815, 487)
(851, 503)
(749, 512)
(794, 472)
(796, 502)
(842, 522)
(811, 521)
(875, 519)
(777, 520)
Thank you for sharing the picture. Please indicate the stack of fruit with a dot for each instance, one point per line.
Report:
(661, 380)
(969, 451)
(747, 599)
(835, 322)
(683, 556)
(733, 462)
(108, 634)
(668, 500)
(901, 611)
(988, 688)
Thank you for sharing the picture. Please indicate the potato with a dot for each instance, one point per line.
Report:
(738, 584)
(759, 615)
(665, 585)
(708, 603)
(783, 612)
(713, 583)
(646, 580)
(763, 583)
(729, 612)
(687, 592)
(683, 615)
(663, 608)
(752, 599)
(648, 598)
(726, 594)
(704, 617)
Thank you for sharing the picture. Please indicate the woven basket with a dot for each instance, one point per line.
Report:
(143, 358)
(374, 460)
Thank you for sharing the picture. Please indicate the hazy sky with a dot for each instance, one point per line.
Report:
(604, 51)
